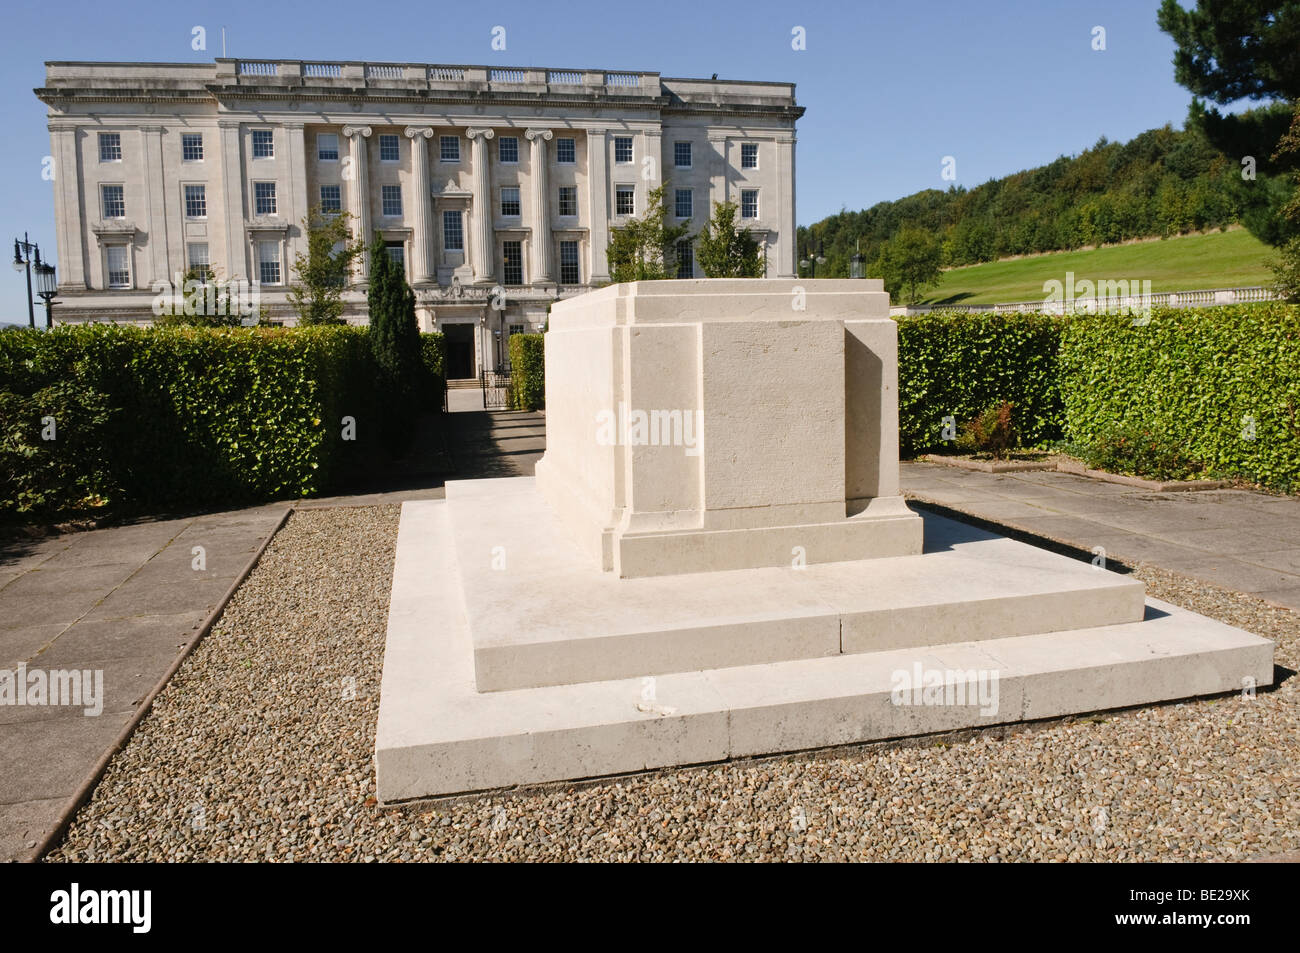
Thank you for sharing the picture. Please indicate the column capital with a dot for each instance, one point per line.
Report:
(474, 133)
(414, 132)
(350, 131)
(544, 134)
(596, 132)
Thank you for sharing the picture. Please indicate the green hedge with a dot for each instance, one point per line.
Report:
(954, 364)
(432, 349)
(1222, 383)
(155, 417)
(527, 371)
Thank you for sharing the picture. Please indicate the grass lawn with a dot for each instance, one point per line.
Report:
(1188, 263)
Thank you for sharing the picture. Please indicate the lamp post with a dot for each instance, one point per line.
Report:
(813, 261)
(47, 284)
(857, 267)
(25, 253)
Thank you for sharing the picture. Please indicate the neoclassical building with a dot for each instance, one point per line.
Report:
(497, 188)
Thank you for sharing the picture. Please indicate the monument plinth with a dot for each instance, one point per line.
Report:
(714, 560)
(696, 426)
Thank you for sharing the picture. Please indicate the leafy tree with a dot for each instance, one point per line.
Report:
(645, 249)
(322, 272)
(724, 251)
(395, 345)
(206, 302)
(909, 263)
(1229, 50)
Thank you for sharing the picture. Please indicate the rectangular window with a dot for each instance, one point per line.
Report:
(392, 199)
(110, 147)
(565, 152)
(682, 157)
(749, 155)
(749, 203)
(453, 232)
(263, 145)
(508, 150)
(568, 200)
(683, 203)
(196, 201)
(192, 146)
(510, 201)
(327, 147)
(625, 200)
(264, 198)
(117, 263)
(569, 274)
(685, 259)
(389, 148)
(396, 252)
(331, 198)
(196, 257)
(268, 263)
(512, 260)
(623, 149)
(449, 148)
(114, 200)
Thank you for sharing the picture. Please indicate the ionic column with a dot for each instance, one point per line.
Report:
(541, 219)
(421, 222)
(358, 178)
(482, 261)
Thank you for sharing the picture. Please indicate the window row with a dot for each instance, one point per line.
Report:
(113, 201)
(327, 149)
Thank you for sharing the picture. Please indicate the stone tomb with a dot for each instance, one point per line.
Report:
(714, 561)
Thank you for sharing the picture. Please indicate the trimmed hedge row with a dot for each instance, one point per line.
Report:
(527, 371)
(1221, 383)
(954, 364)
(154, 417)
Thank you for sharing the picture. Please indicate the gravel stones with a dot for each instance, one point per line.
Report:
(261, 748)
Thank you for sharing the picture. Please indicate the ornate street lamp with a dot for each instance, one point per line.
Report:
(25, 253)
(813, 261)
(858, 265)
(47, 285)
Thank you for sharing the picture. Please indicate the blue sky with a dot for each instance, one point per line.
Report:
(890, 87)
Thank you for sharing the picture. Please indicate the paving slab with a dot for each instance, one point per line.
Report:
(1241, 539)
(121, 602)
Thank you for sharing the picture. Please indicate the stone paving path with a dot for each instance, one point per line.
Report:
(122, 601)
(1237, 539)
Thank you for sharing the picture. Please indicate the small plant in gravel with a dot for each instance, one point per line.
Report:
(992, 432)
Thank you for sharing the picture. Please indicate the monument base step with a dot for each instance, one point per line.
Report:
(439, 735)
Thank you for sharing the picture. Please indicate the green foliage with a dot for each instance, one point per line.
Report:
(322, 273)
(958, 365)
(645, 249)
(992, 432)
(1222, 383)
(205, 302)
(1138, 451)
(156, 417)
(909, 263)
(395, 347)
(723, 251)
(1228, 50)
(433, 351)
(1109, 193)
(527, 371)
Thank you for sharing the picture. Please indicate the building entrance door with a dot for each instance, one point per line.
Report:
(458, 351)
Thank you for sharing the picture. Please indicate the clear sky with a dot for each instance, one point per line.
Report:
(891, 86)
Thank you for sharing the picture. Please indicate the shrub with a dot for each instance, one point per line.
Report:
(527, 371)
(432, 350)
(157, 417)
(1223, 384)
(990, 432)
(1138, 452)
(957, 364)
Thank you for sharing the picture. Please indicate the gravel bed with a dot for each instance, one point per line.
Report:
(261, 749)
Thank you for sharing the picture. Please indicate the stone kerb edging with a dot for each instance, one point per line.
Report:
(1076, 469)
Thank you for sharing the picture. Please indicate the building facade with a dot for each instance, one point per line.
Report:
(497, 189)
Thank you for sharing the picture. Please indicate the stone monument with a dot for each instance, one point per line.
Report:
(714, 560)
